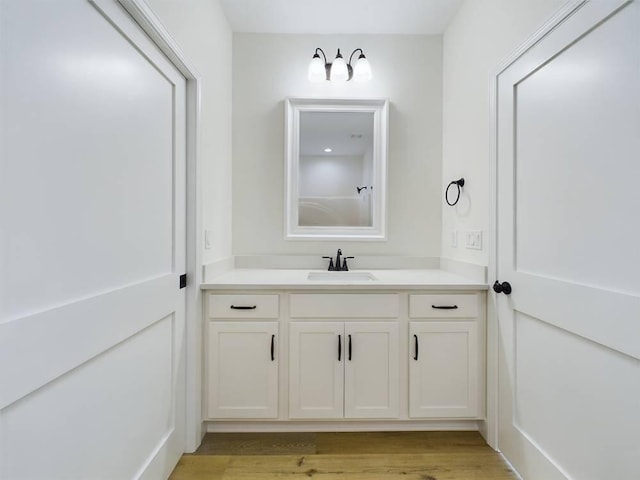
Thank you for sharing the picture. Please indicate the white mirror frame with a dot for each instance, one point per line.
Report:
(380, 110)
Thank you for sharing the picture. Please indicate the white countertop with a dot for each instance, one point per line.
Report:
(291, 279)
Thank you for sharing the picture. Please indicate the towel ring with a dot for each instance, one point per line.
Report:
(459, 184)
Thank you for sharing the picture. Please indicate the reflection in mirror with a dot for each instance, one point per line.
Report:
(335, 170)
(336, 166)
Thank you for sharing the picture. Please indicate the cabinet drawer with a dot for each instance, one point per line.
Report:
(343, 305)
(443, 305)
(243, 306)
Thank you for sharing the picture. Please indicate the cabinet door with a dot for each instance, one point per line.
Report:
(243, 370)
(371, 370)
(316, 355)
(443, 369)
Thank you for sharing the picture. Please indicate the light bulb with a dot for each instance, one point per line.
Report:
(317, 72)
(362, 70)
(339, 71)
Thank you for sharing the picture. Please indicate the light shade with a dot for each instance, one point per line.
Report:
(339, 70)
(362, 70)
(317, 72)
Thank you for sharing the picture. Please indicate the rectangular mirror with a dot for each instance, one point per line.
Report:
(336, 163)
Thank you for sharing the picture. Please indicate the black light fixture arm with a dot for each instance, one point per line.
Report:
(327, 65)
(353, 53)
(349, 67)
(321, 51)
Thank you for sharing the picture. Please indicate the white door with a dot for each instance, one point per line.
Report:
(443, 370)
(316, 369)
(92, 243)
(568, 153)
(243, 370)
(371, 371)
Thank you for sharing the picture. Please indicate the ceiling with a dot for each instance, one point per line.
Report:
(421, 17)
(346, 133)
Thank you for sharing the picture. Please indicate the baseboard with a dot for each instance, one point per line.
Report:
(161, 462)
(342, 426)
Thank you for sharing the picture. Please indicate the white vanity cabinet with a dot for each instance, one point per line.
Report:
(446, 365)
(343, 370)
(343, 355)
(242, 356)
(289, 358)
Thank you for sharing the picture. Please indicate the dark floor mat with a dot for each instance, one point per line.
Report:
(258, 444)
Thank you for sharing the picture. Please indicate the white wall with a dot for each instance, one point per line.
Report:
(407, 70)
(481, 36)
(202, 31)
(327, 191)
(330, 175)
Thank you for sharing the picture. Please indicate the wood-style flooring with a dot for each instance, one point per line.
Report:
(344, 456)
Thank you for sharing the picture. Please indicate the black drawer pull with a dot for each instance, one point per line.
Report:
(339, 347)
(243, 307)
(273, 347)
(445, 307)
(349, 347)
(415, 355)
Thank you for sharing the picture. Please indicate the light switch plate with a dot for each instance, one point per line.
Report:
(208, 239)
(454, 239)
(473, 239)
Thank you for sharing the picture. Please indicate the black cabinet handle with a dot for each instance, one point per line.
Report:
(273, 348)
(415, 355)
(445, 307)
(243, 307)
(339, 347)
(349, 347)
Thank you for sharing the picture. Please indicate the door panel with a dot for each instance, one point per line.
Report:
(561, 111)
(316, 378)
(443, 379)
(244, 375)
(97, 399)
(569, 361)
(92, 208)
(76, 188)
(371, 370)
(588, 371)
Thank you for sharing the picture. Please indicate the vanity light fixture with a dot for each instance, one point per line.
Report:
(341, 71)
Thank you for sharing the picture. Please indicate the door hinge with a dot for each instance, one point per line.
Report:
(183, 280)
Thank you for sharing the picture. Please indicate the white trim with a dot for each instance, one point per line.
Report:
(556, 19)
(344, 426)
(151, 25)
(490, 432)
(380, 108)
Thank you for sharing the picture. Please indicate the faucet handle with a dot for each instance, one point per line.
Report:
(331, 267)
(345, 267)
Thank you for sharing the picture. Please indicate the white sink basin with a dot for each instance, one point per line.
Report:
(349, 276)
